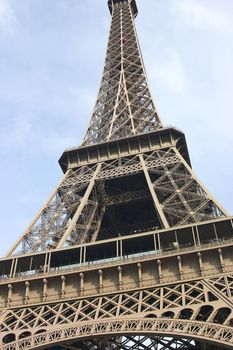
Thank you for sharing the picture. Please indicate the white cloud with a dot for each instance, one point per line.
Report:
(169, 72)
(7, 15)
(201, 15)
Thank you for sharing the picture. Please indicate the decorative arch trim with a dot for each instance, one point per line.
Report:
(201, 331)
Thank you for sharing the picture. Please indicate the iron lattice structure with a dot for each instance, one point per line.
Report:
(124, 105)
(131, 251)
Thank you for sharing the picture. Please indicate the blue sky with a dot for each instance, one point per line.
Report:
(51, 59)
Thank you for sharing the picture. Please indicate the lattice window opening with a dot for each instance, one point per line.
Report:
(168, 314)
(186, 314)
(204, 313)
(221, 316)
(9, 338)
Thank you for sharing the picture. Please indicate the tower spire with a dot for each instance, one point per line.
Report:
(112, 3)
(124, 105)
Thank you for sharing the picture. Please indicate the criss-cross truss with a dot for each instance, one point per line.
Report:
(124, 105)
(86, 196)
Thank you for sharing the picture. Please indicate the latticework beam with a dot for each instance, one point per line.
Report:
(124, 105)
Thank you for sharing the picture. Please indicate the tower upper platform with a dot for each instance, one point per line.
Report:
(111, 3)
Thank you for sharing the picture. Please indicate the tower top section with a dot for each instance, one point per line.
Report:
(124, 106)
(112, 3)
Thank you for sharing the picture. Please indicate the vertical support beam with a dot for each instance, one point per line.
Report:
(30, 265)
(49, 261)
(81, 283)
(221, 260)
(140, 279)
(157, 205)
(194, 238)
(183, 294)
(177, 242)
(199, 255)
(161, 302)
(12, 268)
(159, 242)
(15, 267)
(46, 263)
(84, 254)
(117, 248)
(155, 244)
(159, 264)
(140, 302)
(100, 281)
(215, 232)
(121, 248)
(45, 289)
(120, 277)
(63, 287)
(27, 291)
(179, 260)
(198, 236)
(81, 256)
(10, 292)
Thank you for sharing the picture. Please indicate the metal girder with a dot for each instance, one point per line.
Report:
(74, 213)
(124, 105)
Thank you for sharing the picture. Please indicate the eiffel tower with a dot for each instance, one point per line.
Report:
(130, 251)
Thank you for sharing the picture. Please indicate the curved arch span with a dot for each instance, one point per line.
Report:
(196, 330)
